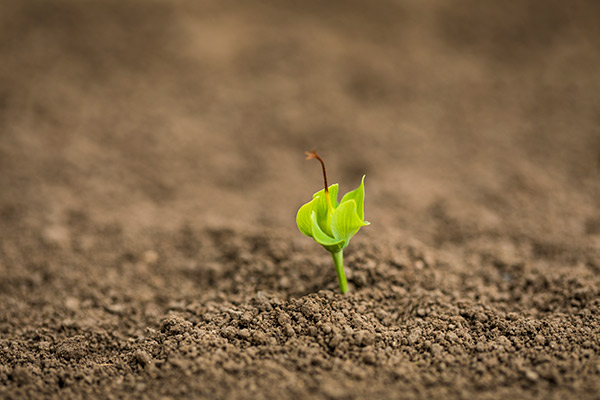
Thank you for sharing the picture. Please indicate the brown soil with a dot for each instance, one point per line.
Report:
(151, 164)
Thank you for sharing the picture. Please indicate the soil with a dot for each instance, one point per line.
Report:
(151, 165)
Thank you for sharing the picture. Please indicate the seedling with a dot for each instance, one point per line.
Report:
(332, 224)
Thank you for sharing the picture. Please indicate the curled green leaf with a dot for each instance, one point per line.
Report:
(346, 222)
(303, 218)
(331, 244)
(358, 195)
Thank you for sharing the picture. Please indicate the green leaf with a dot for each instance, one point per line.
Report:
(303, 218)
(345, 221)
(358, 195)
(330, 243)
(333, 192)
(324, 208)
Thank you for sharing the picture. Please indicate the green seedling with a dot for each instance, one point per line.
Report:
(332, 224)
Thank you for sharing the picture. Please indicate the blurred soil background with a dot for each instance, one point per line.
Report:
(151, 165)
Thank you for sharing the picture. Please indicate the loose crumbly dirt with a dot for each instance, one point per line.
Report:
(151, 164)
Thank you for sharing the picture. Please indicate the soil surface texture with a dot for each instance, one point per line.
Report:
(152, 163)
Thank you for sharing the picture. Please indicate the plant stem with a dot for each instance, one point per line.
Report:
(338, 260)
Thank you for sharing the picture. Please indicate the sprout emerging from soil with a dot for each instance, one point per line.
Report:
(332, 224)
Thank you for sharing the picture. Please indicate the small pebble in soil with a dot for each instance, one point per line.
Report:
(142, 357)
